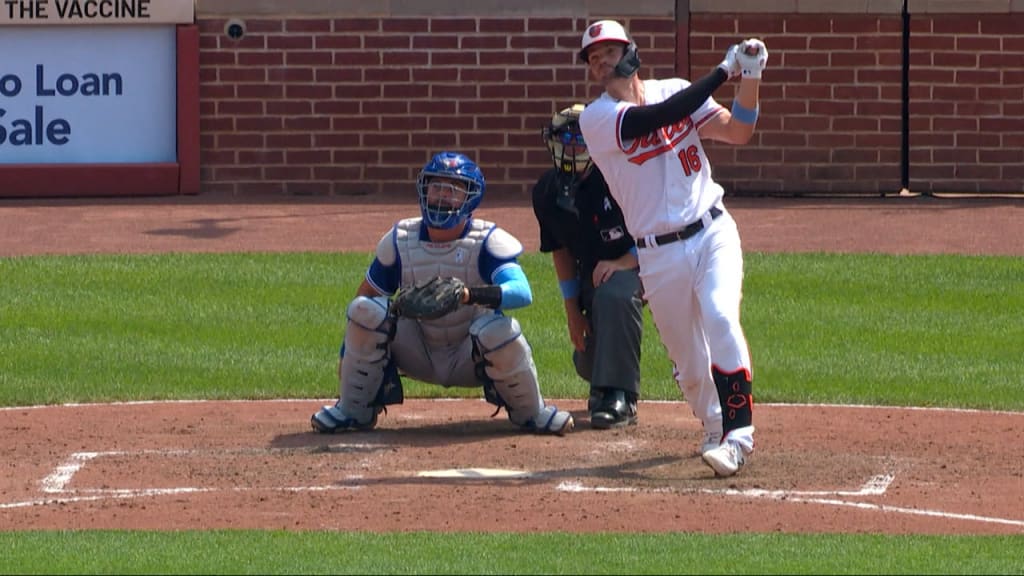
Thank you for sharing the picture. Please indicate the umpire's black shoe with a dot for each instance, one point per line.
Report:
(616, 409)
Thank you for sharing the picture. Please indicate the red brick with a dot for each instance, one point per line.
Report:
(713, 24)
(504, 92)
(308, 91)
(453, 25)
(289, 74)
(408, 91)
(853, 59)
(238, 173)
(434, 141)
(404, 25)
(385, 107)
(805, 25)
(1002, 24)
(483, 43)
(827, 43)
(241, 75)
(289, 42)
(453, 59)
(395, 42)
(356, 25)
(502, 58)
(338, 42)
(502, 25)
(284, 141)
(357, 58)
(956, 25)
(307, 26)
(332, 75)
(386, 75)
(258, 124)
(240, 107)
(388, 140)
(932, 43)
(356, 92)
(435, 42)
(533, 43)
(303, 124)
(314, 58)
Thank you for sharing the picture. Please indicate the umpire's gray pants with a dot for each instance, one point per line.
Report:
(611, 358)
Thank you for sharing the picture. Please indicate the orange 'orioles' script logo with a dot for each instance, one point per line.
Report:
(656, 143)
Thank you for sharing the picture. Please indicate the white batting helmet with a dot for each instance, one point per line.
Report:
(603, 31)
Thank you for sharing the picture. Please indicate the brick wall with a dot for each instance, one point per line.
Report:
(967, 103)
(333, 105)
(830, 102)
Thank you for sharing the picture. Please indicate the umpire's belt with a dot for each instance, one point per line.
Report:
(650, 241)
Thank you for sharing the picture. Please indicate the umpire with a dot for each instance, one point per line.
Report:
(595, 261)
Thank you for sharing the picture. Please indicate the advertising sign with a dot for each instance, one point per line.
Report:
(96, 94)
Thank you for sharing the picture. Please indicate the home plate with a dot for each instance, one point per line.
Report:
(473, 473)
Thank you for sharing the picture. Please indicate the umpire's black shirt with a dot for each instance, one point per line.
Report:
(597, 233)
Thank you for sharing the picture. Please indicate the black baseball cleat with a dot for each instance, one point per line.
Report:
(617, 408)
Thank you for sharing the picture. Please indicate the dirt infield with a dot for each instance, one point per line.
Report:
(447, 466)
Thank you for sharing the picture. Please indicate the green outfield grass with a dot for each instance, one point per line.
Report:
(854, 329)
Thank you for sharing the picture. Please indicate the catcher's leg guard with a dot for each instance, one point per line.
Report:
(507, 362)
(364, 368)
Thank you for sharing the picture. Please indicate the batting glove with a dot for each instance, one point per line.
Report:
(752, 58)
(730, 65)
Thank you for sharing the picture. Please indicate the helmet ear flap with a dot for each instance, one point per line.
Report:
(629, 63)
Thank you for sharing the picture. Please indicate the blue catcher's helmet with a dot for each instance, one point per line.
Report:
(446, 206)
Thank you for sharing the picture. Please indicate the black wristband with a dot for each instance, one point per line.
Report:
(488, 296)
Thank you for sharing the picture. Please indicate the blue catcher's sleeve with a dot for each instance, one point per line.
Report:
(515, 288)
(384, 278)
(385, 273)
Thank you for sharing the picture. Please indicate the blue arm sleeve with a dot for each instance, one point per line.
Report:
(384, 278)
(515, 288)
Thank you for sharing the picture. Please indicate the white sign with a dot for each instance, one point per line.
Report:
(92, 12)
(95, 94)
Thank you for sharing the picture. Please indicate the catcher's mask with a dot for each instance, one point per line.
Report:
(612, 31)
(565, 142)
(450, 188)
(569, 153)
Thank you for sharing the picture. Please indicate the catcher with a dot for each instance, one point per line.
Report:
(453, 276)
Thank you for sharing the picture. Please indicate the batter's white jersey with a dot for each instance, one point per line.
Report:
(665, 182)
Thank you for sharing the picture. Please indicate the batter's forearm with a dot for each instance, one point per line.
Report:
(641, 120)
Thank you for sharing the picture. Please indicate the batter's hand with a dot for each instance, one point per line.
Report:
(730, 65)
(752, 58)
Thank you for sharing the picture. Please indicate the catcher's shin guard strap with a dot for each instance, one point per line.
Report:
(735, 395)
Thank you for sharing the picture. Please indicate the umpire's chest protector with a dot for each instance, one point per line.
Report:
(460, 258)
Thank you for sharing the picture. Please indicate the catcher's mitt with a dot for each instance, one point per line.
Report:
(432, 299)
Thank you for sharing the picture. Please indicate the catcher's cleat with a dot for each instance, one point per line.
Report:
(726, 459)
(550, 420)
(617, 408)
(331, 419)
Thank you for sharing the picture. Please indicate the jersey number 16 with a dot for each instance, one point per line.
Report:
(689, 157)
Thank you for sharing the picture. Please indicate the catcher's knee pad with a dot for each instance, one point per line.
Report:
(364, 367)
(508, 363)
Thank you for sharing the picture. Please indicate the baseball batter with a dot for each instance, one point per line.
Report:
(472, 343)
(648, 145)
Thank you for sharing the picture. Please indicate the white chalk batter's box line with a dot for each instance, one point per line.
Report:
(56, 484)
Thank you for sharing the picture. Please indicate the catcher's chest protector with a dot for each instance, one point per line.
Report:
(459, 258)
